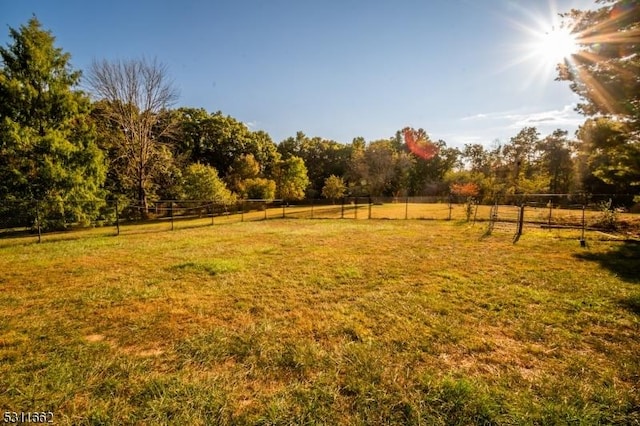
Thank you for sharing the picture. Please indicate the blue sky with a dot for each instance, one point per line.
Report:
(333, 68)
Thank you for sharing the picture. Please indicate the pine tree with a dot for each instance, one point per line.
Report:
(47, 141)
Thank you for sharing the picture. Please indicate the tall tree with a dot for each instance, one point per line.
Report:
(357, 169)
(137, 95)
(218, 140)
(243, 167)
(292, 146)
(556, 161)
(477, 158)
(604, 73)
(323, 158)
(607, 161)
(520, 155)
(428, 175)
(291, 179)
(47, 142)
(380, 158)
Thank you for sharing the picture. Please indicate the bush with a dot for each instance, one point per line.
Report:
(608, 215)
(202, 182)
(259, 189)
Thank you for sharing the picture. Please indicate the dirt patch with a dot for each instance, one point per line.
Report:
(94, 338)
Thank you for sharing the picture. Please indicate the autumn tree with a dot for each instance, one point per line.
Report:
(291, 179)
(137, 95)
(243, 167)
(245, 178)
(380, 158)
(259, 189)
(357, 172)
(201, 182)
(48, 145)
(334, 188)
(469, 191)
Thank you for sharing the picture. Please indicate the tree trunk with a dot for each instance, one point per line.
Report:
(142, 200)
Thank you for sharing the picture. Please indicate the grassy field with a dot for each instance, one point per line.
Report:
(321, 322)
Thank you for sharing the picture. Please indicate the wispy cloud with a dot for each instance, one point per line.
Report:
(566, 116)
(487, 116)
(486, 127)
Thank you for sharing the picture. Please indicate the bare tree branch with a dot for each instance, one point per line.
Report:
(138, 93)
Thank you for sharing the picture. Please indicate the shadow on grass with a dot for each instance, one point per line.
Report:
(624, 260)
(632, 304)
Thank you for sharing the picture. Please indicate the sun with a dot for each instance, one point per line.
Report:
(545, 44)
(554, 46)
(541, 42)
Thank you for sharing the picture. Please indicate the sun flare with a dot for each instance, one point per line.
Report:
(555, 45)
(544, 44)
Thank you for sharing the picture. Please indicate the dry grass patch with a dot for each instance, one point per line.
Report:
(351, 322)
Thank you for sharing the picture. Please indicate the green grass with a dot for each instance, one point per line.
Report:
(321, 322)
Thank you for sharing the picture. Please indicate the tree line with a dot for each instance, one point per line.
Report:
(128, 141)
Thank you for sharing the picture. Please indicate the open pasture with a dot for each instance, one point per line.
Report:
(321, 322)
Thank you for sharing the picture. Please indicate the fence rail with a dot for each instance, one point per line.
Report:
(568, 211)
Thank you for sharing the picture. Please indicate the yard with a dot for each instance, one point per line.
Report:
(321, 322)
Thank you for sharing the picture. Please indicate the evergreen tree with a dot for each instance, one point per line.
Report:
(47, 140)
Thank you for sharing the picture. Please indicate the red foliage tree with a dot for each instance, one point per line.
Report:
(468, 189)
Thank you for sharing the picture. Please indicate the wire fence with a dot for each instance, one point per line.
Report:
(577, 212)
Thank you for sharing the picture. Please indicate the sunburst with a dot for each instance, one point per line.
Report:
(554, 46)
(542, 44)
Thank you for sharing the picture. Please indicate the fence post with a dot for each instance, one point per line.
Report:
(171, 213)
(342, 210)
(516, 237)
(64, 217)
(38, 221)
(355, 212)
(242, 211)
(450, 208)
(117, 218)
(550, 210)
(406, 208)
(370, 203)
(475, 213)
(213, 211)
(583, 242)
